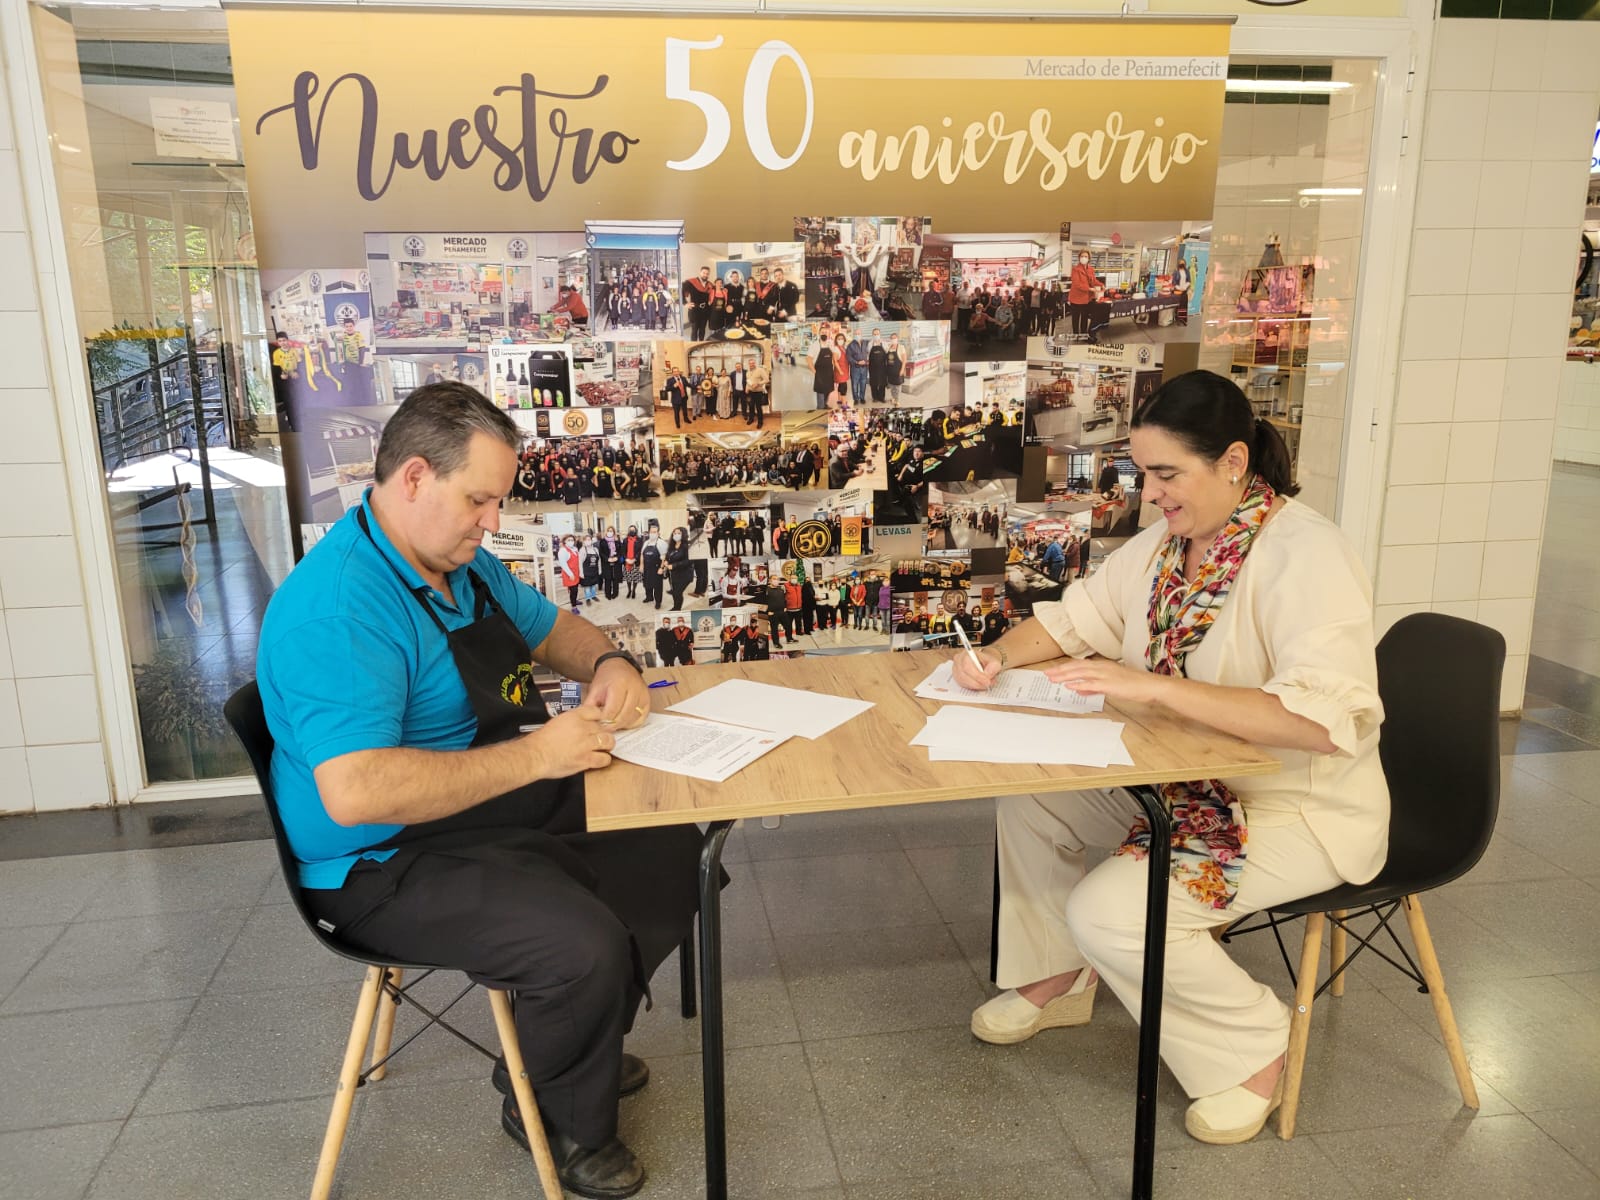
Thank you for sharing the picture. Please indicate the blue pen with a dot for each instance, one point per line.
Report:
(663, 683)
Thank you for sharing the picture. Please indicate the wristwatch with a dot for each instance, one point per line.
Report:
(623, 655)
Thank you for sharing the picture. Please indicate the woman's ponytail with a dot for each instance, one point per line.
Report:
(1269, 457)
(1208, 414)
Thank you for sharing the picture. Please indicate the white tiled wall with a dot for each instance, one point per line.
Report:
(1578, 414)
(51, 754)
(1510, 118)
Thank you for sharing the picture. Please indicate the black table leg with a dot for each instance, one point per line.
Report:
(711, 1050)
(1155, 962)
(994, 922)
(686, 993)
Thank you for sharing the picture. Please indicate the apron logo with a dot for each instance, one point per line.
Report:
(518, 686)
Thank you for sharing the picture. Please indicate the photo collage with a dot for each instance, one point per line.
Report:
(855, 440)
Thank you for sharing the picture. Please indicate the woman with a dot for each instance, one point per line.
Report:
(611, 562)
(979, 325)
(1272, 641)
(894, 368)
(1181, 285)
(732, 589)
(841, 370)
(680, 571)
(858, 601)
(878, 368)
(593, 569)
(571, 571)
(1082, 292)
(632, 568)
(822, 373)
(717, 314)
(725, 396)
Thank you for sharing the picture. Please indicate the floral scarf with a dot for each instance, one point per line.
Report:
(1208, 822)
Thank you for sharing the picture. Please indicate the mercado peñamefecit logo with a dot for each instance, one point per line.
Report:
(733, 124)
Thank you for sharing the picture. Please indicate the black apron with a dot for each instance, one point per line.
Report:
(647, 877)
(496, 668)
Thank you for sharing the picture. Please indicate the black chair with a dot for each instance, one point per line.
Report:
(1439, 678)
(385, 981)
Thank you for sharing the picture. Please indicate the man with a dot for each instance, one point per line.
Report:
(910, 483)
(666, 649)
(840, 473)
(286, 359)
(935, 302)
(795, 607)
(652, 557)
(878, 367)
(697, 303)
(994, 626)
(396, 673)
(738, 387)
(858, 357)
(775, 600)
(758, 297)
(787, 298)
(699, 552)
(1055, 557)
(1108, 478)
(732, 642)
(755, 397)
(756, 647)
(874, 596)
(683, 643)
(677, 391)
(349, 352)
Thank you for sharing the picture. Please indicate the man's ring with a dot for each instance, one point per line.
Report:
(600, 743)
(637, 709)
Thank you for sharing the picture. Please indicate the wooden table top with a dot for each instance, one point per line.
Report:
(868, 762)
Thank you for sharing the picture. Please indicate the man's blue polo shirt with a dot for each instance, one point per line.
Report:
(349, 660)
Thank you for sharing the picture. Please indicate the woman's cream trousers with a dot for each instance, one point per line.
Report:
(1218, 1026)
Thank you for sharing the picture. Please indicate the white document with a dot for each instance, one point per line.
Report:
(789, 711)
(700, 749)
(1017, 688)
(964, 735)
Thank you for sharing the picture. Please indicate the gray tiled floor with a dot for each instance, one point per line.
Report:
(214, 1037)
(168, 1030)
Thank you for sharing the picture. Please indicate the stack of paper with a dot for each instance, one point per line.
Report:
(1016, 688)
(965, 735)
(701, 749)
(789, 711)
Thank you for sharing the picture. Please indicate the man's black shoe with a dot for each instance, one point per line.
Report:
(605, 1173)
(635, 1074)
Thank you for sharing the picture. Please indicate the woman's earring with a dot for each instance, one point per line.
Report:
(1233, 479)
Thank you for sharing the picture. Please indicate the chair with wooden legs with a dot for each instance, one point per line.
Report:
(384, 989)
(1439, 678)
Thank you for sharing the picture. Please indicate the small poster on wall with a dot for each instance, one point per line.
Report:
(634, 277)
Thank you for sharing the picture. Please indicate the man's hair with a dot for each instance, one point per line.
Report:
(435, 423)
